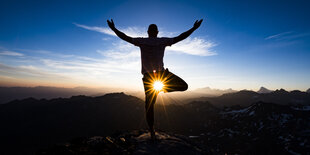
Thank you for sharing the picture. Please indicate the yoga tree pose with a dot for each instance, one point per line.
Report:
(155, 77)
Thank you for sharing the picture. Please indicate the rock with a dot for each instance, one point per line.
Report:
(137, 142)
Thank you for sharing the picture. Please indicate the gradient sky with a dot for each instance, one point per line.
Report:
(240, 44)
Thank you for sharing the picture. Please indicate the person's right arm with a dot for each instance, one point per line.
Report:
(119, 33)
(184, 35)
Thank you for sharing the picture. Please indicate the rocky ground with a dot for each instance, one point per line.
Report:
(136, 142)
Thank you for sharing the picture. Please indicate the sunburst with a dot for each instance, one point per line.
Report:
(158, 85)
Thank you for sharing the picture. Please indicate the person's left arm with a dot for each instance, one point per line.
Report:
(184, 35)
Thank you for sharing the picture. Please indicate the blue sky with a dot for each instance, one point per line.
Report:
(240, 44)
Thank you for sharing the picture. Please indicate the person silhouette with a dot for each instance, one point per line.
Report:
(155, 77)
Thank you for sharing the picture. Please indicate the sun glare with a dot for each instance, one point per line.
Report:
(158, 85)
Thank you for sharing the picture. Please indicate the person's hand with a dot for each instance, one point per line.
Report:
(197, 24)
(111, 24)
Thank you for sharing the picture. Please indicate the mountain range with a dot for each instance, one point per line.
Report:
(8, 94)
(246, 97)
(260, 127)
(213, 92)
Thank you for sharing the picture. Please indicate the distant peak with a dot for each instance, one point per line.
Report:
(214, 91)
(264, 90)
(281, 91)
(116, 94)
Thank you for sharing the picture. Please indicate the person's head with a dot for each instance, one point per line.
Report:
(152, 30)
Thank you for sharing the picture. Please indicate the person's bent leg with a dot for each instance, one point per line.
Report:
(174, 83)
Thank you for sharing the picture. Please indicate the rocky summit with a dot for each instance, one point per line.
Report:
(137, 142)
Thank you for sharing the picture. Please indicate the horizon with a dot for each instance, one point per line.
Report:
(116, 90)
(240, 45)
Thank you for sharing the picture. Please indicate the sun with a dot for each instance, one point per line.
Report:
(158, 85)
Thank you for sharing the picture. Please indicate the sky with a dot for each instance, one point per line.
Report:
(239, 45)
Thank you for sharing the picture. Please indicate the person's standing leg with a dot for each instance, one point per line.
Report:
(150, 99)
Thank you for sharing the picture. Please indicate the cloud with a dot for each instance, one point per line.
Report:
(53, 67)
(294, 36)
(11, 53)
(275, 36)
(104, 30)
(29, 71)
(121, 51)
(111, 62)
(194, 46)
(120, 55)
(287, 35)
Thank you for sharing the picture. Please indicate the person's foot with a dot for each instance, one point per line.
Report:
(153, 137)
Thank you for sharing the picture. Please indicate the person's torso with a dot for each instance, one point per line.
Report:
(152, 54)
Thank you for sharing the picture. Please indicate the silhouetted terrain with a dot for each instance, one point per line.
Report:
(241, 124)
(31, 122)
(8, 94)
(136, 142)
(245, 98)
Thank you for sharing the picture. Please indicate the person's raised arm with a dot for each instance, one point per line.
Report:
(187, 33)
(119, 33)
